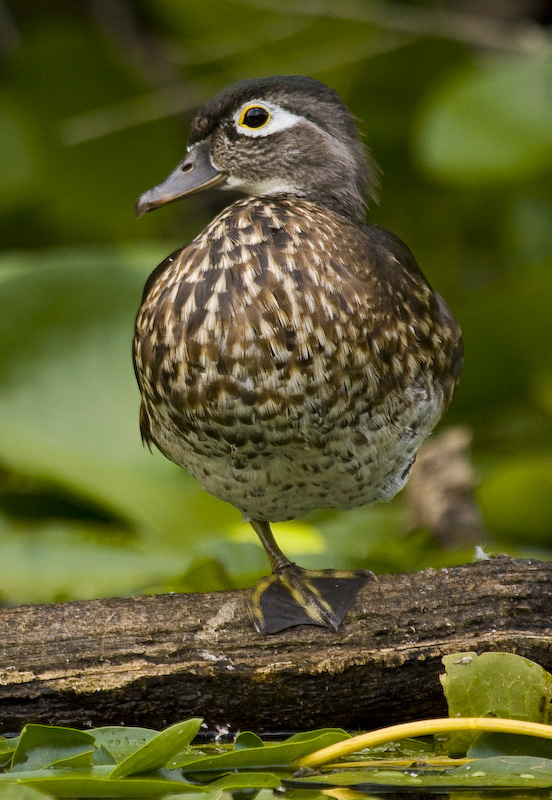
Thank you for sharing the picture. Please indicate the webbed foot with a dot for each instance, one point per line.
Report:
(295, 596)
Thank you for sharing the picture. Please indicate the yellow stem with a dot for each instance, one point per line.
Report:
(438, 761)
(426, 727)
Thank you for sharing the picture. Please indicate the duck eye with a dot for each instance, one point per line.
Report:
(254, 117)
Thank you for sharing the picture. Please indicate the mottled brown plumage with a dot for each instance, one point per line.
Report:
(290, 358)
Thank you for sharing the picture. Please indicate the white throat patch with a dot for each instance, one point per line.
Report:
(270, 186)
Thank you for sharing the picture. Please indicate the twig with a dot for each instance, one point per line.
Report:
(440, 492)
(165, 102)
(185, 96)
(482, 31)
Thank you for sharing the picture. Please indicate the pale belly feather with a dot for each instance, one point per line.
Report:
(283, 468)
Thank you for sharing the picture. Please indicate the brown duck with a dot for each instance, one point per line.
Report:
(291, 357)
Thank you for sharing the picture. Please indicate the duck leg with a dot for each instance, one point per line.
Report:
(294, 596)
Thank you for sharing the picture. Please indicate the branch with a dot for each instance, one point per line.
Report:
(153, 660)
(492, 33)
(440, 493)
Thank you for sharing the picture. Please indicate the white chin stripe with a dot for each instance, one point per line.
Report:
(280, 119)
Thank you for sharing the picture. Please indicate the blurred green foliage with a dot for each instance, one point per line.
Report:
(95, 100)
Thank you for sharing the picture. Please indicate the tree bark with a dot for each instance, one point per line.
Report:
(153, 660)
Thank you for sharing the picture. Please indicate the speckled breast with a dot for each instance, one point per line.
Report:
(289, 361)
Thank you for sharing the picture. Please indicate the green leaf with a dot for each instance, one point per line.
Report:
(497, 684)
(270, 755)
(69, 400)
(246, 780)
(492, 122)
(66, 69)
(7, 748)
(93, 783)
(43, 746)
(69, 416)
(102, 757)
(120, 741)
(337, 734)
(247, 740)
(506, 772)
(494, 684)
(489, 745)
(157, 751)
(66, 561)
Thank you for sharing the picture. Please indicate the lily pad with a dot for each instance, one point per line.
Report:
(494, 685)
(490, 745)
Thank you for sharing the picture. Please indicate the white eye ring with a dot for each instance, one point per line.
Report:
(279, 119)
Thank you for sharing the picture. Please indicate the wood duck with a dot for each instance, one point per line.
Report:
(291, 357)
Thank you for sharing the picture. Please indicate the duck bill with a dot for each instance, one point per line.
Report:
(192, 175)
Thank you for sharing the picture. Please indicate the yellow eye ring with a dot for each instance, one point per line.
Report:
(254, 117)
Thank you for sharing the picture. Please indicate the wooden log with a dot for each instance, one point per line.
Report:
(154, 660)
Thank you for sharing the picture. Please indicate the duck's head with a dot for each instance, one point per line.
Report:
(287, 135)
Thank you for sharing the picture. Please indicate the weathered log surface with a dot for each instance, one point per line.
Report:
(153, 660)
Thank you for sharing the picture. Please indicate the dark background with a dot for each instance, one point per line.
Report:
(455, 100)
